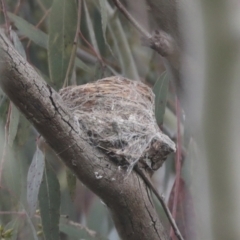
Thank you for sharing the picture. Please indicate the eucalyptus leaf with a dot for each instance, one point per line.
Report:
(39, 37)
(80, 64)
(62, 31)
(34, 233)
(14, 224)
(49, 203)
(47, 3)
(71, 183)
(13, 124)
(28, 30)
(90, 28)
(34, 178)
(124, 53)
(12, 174)
(104, 17)
(160, 90)
(99, 211)
(17, 44)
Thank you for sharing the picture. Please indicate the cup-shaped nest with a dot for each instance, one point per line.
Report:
(117, 116)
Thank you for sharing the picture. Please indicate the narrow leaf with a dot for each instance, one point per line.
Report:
(71, 182)
(40, 38)
(185, 214)
(80, 64)
(28, 30)
(160, 90)
(47, 3)
(31, 226)
(62, 30)
(12, 174)
(14, 224)
(34, 179)
(17, 44)
(124, 53)
(90, 28)
(13, 125)
(104, 17)
(49, 203)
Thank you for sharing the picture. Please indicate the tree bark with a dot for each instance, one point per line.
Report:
(128, 200)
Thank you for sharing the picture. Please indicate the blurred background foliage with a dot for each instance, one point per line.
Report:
(44, 32)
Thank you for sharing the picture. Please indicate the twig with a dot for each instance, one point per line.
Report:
(93, 50)
(41, 5)
(159, 41)
(6, 18)
(11, 213)
(162, 201)
(18, 5)
(177, 166)
(131, 19)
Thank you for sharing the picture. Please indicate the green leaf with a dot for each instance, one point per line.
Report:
(34, 179)
(160, 90)
(13, 125)
(47, 3)
(62, 30)
(79, 63)
(71, 183)
(14, 224)
(49, 203)
(104, 17)
(28, 30)
(23, 131)
(31, 226)
(90, 28)
(17, 44)
(104, 22)
(98, 211)
(12, 174)
(124, 53)
(39, 37)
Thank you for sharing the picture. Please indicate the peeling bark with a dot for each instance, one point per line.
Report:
(128, 200)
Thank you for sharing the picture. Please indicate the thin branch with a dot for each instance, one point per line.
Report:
(74, 49)
(93, 50)
(17, 7)
(160, 41)
(41, 5)
(162, 201)
(177, 164)
(124, 11)
(4, 9)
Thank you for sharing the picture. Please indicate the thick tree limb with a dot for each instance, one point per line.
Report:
(129, 200)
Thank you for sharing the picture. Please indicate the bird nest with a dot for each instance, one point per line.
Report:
(117, 116)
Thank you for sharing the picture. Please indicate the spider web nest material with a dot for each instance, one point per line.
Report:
(117, 116)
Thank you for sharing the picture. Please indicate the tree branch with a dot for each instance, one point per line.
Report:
(128, 200)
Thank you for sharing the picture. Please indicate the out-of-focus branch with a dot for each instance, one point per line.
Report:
(161, 41)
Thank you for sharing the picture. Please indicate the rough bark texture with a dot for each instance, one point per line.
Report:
(129, 200)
